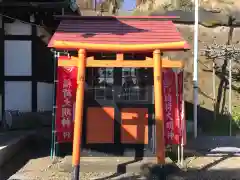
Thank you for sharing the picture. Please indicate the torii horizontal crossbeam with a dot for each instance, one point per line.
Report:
(148, 63)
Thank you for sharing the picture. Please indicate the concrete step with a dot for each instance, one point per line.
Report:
(11, 142)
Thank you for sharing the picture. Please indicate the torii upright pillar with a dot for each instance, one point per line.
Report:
(158, 101)
(78, 121)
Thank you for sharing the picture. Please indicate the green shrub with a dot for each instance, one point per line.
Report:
(211, 23)
(236, 116)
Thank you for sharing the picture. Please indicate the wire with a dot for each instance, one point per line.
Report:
(25, 22)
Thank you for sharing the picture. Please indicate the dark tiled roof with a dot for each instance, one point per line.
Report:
(34, 3)
(124, 30)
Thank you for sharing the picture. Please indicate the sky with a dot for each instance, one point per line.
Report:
(128, 5)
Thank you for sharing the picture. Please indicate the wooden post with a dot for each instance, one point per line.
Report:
(120, 56)
(78, 114)
(158, 98)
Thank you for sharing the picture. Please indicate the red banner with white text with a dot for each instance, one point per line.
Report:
(65, 98)
(174, 115)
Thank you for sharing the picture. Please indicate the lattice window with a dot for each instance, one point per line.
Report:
(102, 83)
(134, 85)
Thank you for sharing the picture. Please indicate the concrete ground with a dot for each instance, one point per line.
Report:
(33, 163)
(199, 168)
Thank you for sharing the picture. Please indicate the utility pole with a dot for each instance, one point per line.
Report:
(195, 71)
(231, 19)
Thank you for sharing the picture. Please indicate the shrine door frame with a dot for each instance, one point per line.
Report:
(118, 103)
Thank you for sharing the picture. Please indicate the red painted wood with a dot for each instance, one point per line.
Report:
(117, 31)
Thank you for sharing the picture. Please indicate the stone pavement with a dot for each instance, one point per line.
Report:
(218, 166)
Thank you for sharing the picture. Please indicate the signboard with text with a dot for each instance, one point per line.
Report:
(66, 93)
(174, 118)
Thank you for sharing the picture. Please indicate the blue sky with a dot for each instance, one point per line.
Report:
(128, 5)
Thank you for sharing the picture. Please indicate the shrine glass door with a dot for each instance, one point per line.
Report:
(119, 109)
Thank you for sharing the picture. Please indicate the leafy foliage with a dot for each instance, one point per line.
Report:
(236, 116)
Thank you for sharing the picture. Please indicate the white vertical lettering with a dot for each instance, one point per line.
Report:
(66, 135)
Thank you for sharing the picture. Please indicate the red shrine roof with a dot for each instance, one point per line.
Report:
(106, 31)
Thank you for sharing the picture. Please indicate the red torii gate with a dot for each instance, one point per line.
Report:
(119, 35)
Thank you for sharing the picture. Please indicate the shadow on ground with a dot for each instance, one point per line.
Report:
(174, 173)
(38, 148)
(35, 148)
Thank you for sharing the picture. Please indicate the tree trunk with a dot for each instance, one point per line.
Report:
(214, 90)
(138, 2)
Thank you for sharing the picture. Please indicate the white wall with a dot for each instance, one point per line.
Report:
(18, 62)
(18, 95)
(18, 58)
(22, 28)
(44, 96)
